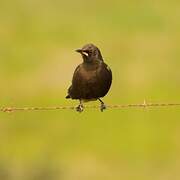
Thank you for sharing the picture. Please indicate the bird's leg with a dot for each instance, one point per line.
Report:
(80, 107)
(103, 106)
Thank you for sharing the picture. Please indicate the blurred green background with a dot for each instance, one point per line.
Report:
(139, 40)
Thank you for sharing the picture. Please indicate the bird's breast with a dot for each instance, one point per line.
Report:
(91, 81)
(88, 75)
(87, 72)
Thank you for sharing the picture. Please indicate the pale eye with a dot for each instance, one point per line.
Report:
(90, 52)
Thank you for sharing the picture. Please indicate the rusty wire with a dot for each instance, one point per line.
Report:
(121, 106)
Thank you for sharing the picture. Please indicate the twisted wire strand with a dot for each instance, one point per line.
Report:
(121, 106)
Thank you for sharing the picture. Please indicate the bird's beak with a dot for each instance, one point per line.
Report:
(79, 51)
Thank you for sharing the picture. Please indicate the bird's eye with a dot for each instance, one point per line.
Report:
(90, 52)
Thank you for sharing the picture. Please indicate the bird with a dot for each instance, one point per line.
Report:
(92, 78)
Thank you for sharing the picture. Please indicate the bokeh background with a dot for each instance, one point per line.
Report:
(139, 40)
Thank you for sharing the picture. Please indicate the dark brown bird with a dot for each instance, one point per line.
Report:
(92, 79)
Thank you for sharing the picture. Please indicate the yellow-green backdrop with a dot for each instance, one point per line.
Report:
(139, 40)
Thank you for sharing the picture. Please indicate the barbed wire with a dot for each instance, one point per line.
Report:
(121, 106)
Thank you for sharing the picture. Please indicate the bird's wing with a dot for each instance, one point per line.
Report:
(104, 72)
(104, 76)
(76, 72)
(70, 89)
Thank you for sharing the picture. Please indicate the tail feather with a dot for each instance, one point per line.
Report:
(69, 90)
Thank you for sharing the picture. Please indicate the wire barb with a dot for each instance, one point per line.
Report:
(125, 106)
(144, 104)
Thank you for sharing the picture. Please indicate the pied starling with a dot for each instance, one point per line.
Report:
(92, 79)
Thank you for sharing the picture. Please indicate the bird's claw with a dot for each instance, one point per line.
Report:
(80, 108)
(102, 107)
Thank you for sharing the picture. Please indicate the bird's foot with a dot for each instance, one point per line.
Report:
(102, 107)
(80, 108)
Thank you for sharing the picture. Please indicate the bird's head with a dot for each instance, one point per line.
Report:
(90, 53)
